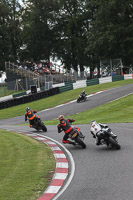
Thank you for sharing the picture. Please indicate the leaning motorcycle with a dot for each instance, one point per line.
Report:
(78, 137)
(81, 98)
(105, 135)
(38, 124)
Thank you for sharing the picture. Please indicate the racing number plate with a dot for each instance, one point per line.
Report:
(74, 135)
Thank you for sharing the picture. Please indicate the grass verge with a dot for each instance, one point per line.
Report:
(24, 167)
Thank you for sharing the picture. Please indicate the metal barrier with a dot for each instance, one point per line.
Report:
(19, 94)
(117, 78)
(67, 87)
(92, 82)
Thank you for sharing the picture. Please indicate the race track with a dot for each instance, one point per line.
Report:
(101, 173)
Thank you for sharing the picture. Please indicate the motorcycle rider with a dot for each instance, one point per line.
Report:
(66, 127)
(83, 94)
(96, 131)
(31, 115)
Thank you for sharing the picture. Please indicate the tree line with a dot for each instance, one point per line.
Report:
(77, 32)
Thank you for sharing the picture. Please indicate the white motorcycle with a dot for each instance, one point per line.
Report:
(104, 135)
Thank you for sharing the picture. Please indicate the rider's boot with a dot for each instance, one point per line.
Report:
(73, 143)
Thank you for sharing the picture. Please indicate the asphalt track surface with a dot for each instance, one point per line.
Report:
(101, 173)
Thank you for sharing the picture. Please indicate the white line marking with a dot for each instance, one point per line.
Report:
(53, 189)
(49, 142)
(56, 148)
(60, 176)
(61, 165)
(59, 155)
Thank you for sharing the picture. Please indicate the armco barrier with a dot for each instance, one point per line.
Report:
(28, 98)
(42, 88)
(19, 94)
(67, 87)
(79, 84)
(92, 82)
(105, 80)
(117, 78)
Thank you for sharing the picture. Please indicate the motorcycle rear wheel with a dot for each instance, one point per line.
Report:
(78, 100)
(114, 143)
(80, 142)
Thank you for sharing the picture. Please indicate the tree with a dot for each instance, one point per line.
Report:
(70, 33)
(9, 31)
(4, 30)
(37, 29)
(111, 31)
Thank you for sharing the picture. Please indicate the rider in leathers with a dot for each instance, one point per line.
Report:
(66, 127)
(31, 115)
(83, 94)
(97, 136)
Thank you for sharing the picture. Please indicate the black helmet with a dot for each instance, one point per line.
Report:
(28, 108)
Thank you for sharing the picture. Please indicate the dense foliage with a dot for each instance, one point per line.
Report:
(78, 32)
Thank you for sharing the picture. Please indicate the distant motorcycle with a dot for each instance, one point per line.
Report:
(38, 124)
(105, 135)
(81, 98)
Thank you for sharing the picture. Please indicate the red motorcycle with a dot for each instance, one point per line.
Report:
(78, 137)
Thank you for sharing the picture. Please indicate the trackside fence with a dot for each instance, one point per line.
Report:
(92, 82)
(67, 87)
(117, 78)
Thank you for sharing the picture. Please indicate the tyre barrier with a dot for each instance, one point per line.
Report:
(28, 98)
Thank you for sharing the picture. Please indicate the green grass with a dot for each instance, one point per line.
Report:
(58, 99)
(24, 167)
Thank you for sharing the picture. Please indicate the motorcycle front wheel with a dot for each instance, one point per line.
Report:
(85, 99)
(80, 142)
(44, 128)
(114, 143)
